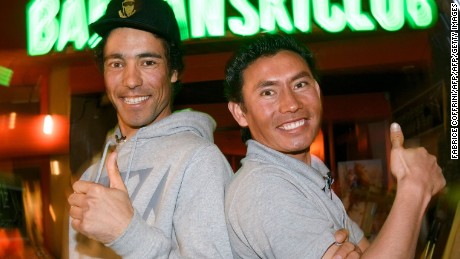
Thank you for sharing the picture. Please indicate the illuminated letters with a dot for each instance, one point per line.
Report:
(388, 13)
(274, 12)
(246, 25)
(330, 17)
(357, 20)
(207, 18)
(42, 26)
(301, 11)
(74, 25)
(421, 13)
(178, 7)
(96, 8)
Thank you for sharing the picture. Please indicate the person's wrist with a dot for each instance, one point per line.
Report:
(413, 192)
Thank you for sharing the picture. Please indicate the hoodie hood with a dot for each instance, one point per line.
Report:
(184, 120)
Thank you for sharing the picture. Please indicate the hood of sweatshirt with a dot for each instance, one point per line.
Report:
(196, 122)
(184, 120)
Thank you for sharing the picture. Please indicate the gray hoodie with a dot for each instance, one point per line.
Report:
(176, 178)
(280, 207)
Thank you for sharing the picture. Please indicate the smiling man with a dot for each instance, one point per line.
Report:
(161, 194)
(280, 205)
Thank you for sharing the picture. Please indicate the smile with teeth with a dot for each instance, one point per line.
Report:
(292, 125)
(135, 100)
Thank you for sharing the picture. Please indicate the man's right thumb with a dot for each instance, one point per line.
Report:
(113, 172)
(396, 135)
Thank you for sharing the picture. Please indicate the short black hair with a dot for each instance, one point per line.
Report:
(263, 45)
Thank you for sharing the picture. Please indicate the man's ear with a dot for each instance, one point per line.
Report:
(318, 89)
(174, 76)
(238, 114)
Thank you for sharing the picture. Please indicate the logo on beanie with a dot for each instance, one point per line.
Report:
(128, 9)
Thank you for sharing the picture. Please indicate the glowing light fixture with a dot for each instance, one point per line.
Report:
(5, 76)
(53, 215)
(55, 170)
(48, 125)
(12, 121)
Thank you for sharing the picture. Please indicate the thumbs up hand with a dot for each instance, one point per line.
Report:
(113, 173)
(414, 168)
(99, 212)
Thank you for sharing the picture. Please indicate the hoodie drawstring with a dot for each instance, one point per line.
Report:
(131, 157)
(101, 165)
(104, 155)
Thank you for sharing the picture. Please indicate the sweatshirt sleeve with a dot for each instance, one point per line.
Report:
(199, 218)
(150, 241)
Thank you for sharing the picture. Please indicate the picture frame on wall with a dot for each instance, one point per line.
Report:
(362, 183)
(361, 174)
